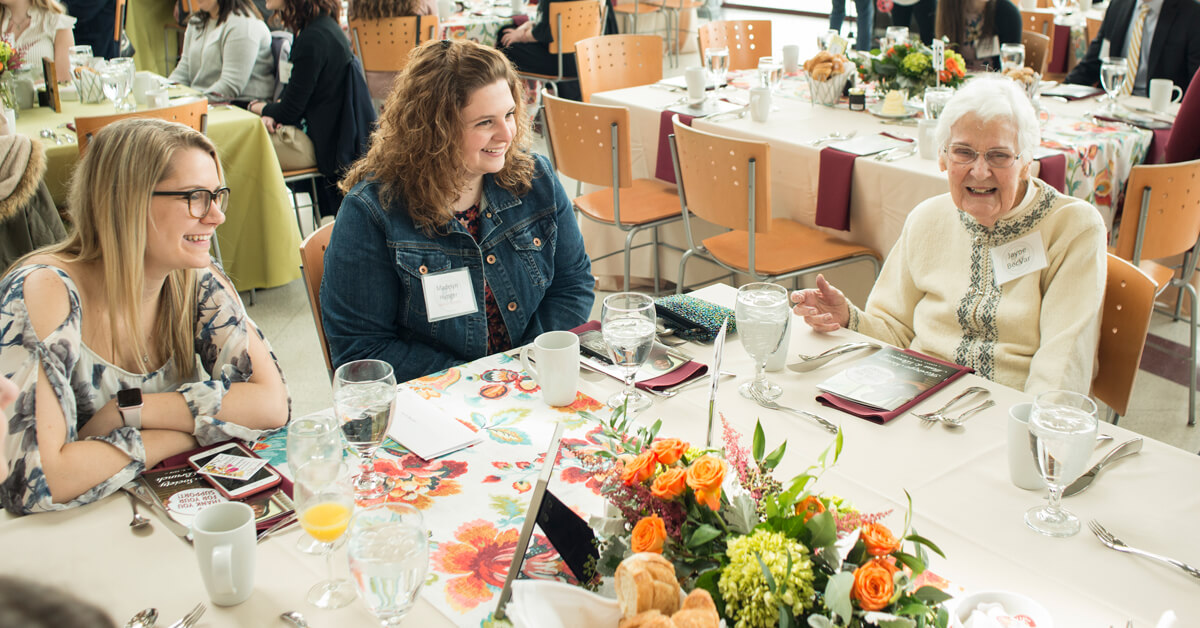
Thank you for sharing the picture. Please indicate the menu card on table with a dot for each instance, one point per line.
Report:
(425, 429)
(886, 384)
(183, 493)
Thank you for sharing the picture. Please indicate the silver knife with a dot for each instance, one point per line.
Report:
(1126, 448)
(141, 493)
(718, 348)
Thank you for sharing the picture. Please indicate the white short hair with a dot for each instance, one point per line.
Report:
(988, 98)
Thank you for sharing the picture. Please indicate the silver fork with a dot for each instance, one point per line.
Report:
(933, 417)
(191, 618)
(957, 421)
(771, 405)
(1108, 539)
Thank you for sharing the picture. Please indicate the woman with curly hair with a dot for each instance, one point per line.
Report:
(453, 242)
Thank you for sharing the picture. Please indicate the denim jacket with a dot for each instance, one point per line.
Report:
(530, 250)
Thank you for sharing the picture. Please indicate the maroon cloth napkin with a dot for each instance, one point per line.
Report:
(520, 18)
(664, 169)
(833, 188)
(1184, 141)
(1157, 152)
(1058, 55)
(1054, 171)
(678, 376)
(181, 460)
(883, 416)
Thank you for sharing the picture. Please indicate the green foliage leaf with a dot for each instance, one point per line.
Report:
(703, 534)
(766, 573)
(931, 595)
(741, 515)
(897, 622)
(708, 581)
(775, 457)
(822, 529)
(837, 594)
(917, 538)
(943, 618)
(912, 609)
(820, 621)
(911, 561)
(760, 442)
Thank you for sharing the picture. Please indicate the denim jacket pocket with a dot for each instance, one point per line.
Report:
(412, 264)
(535, 245)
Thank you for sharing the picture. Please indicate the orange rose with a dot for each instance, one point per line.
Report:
(705, 476)
(649, 534)
(640, 469)
(809, 507)
(878, 539)
(669, 450)
(873, 585)
(670, 484)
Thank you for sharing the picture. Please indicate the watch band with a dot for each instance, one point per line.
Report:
(132, 416)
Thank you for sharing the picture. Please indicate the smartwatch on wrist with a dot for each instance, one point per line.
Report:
(129, 403)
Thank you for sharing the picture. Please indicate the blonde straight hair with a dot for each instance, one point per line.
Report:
(109, 198)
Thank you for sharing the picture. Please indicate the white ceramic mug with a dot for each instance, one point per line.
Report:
(143, 83)
(557, 357)
(1022, 468)
(696, 77)
(776, 360)
(223, 535)
(1164, 93)
(927, 138)
(157, 98)
(518, 7)
(760, 103)
(791, 59)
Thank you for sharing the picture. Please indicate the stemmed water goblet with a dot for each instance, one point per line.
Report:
(1113, 71)
(315, 437)
(936, 99)
(627, 323)
(325, 501)
(762, 312)
(1062, 434)
(770, 72)
(125, 86)
(1012, 57)
(364, 399)
(717, 62)
(389, 557)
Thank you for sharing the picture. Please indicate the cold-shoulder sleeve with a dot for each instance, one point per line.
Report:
(222, 344)
(21, 353)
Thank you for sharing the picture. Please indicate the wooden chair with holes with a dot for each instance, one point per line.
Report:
(579, 136)
(1037, 51)
(383, 45)
(312, 267)
(1161, 220)
(727, 182)
(193, 113)
(1124, 321)
(617, 61)
(747, 40)
(569, 23)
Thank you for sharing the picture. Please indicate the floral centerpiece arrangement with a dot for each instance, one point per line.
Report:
(769, 553)
(11, 58)
(909, 66)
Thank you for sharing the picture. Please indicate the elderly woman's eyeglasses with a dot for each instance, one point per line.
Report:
(200, 200)
(965, 155)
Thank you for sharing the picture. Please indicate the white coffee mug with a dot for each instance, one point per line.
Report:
(223, 535)
(927, 138)
(791, 59)
(557, 357)
(760, 103)
(1022, 468)
(696, 77)
(776, 360)
(157, 98)
(518, 7)
(143, 83)
(1164, 93)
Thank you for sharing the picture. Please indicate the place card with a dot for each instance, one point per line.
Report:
(425, 429)
(867, 144)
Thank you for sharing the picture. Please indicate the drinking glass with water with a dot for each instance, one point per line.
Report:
(717, 61)
(1112, 77)
(1062, 434)
(1012, 57)
(762, 313)
(627, 324)
(389, 557)
(364, 399)
(770, 72)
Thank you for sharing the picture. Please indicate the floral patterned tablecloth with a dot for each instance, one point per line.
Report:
(477, 28)
(1100, 156)
(474, 500)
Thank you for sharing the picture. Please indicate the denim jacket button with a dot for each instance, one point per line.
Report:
(491, 259)
(512, 306)
(423, 269)
(537, 241)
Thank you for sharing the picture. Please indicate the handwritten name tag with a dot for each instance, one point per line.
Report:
(448, 294)
(1018, 258)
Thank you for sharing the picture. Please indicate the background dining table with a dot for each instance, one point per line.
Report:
(259, 240)
(474, 501)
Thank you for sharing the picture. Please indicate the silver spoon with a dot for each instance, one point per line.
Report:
(143, 619)
(296, 619)
(138, 521)
(811, 362)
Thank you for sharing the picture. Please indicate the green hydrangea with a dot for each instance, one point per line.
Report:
(744, 586)
(916, 63)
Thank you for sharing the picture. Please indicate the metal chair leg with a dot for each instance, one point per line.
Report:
(1192, 357)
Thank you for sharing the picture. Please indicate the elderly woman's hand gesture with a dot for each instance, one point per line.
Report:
(824, 308)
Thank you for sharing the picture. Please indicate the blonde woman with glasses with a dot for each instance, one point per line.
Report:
(127, 343)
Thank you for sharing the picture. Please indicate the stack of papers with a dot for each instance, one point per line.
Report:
(425, 429)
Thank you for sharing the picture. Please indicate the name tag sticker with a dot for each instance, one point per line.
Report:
(987, 47)
(448, 294)
(1018, 258)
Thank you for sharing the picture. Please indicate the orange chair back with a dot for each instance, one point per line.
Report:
(617, 61)
(1128, 306)
(1037, 51)
(312, 267)
(581, 140)
(715, 175)
(1161, 214)
(383, 45)
(580, 19)
(747, 40)
(1038, 21)
(193, 113)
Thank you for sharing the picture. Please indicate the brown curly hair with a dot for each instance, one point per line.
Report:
(296, 14)
(380, 9)
(416, 152)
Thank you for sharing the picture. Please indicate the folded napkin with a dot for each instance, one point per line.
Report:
(834, 179)
(181, 460)
(1059, 54)
(685, 372)
(664, 169)
(1054, 171)
(883, 416)
(548, 604)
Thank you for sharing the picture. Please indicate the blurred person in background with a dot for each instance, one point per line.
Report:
(95, 22)
(864, 21)
(227, 52)
(40, 29)
(976, 28)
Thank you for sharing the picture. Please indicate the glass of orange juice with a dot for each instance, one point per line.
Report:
(325, 501)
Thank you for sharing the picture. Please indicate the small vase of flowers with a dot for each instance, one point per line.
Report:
(909, 66)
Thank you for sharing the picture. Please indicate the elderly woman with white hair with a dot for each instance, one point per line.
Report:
(1003, 274)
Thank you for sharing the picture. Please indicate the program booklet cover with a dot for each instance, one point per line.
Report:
(183, 493)
(887, 379)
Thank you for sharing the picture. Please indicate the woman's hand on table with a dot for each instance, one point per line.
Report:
(520, 34)
(824, 308)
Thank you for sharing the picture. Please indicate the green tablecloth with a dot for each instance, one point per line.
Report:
(144, 20)
(260, 244)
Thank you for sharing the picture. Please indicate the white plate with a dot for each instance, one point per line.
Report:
(909, 111)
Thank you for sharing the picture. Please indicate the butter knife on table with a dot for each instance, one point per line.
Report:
(1126, 448)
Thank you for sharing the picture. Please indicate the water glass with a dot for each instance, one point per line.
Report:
(935, 101)
(1112, 77)
(325, 502)
(717, 62)
(770, 72)
(1012, 57)
(315, 437)
(762, 312)
(627, 322)
(894, 35)
(80, 56)
(1062, 434)
(364, 399)
(389, 557)
(126, 65)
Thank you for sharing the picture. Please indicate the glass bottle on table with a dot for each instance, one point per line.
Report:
(315, 437)
(325, 501)
(762, 312)
(389, 557)
(627, 323)
(364, 399)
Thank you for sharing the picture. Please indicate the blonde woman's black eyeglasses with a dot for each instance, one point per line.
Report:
(200, 200)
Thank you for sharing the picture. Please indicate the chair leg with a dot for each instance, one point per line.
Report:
(1113, 417)
(314, 208)
(628, 253)
(1192, 358)
(296, 208)
(657, 286)
(682, 269)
